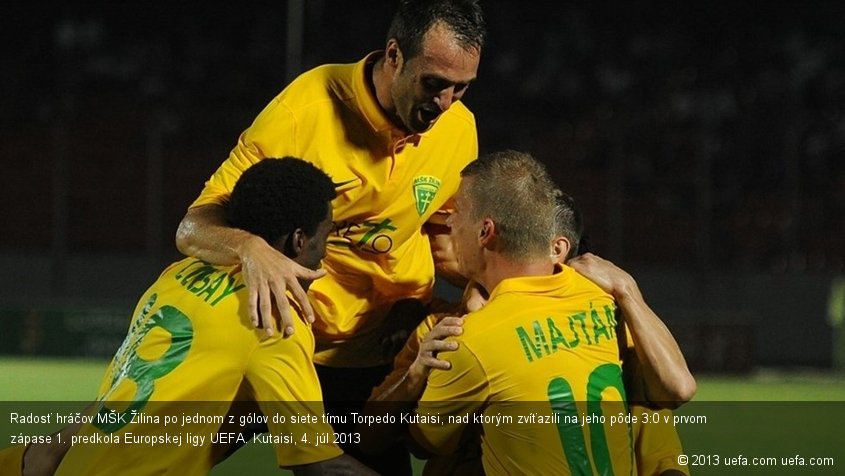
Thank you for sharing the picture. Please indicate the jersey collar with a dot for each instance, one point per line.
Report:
(552, 284)
(368, 103)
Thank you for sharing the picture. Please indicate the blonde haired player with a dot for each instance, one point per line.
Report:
(656, 444)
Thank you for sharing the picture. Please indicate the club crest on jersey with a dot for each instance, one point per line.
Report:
(425, 188)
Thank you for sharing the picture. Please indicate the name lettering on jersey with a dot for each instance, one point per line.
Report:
(370, 236)
(207, 282)
(425, 188)
(582, 328)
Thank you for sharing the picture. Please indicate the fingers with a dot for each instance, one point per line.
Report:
(438, 340)
(283, 306)
(269, 274)
(435, 363)
(301, 298)
(447, 327)
(264, 305)
(284, 315)
(253, 307)
(435, 346)
(429, 351)
(310, 274)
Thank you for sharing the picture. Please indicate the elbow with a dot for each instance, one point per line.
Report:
(686, 390)
(680, 392)
(183, 237)
(672, 394)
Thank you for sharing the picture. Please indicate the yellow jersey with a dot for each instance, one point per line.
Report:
(189, 352)
(538, 375)
(389, 184)
(657, 444)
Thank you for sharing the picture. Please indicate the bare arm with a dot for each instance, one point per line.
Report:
(204, 234)
(405, 386)
(668, 381)
(341, 465)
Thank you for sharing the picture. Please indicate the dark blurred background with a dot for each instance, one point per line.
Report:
(705, 144)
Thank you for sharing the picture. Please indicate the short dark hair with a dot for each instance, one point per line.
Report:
(515, 190)
(276, 196)
(415, 17)
(568, 222)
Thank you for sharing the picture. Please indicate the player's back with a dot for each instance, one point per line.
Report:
(548, 349)
(189, 350)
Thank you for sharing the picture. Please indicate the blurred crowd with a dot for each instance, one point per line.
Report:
(707, 137)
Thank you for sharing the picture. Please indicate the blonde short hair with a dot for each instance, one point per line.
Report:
(514, 190)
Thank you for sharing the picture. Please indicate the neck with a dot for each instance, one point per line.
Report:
(379, 80)
(498, 268)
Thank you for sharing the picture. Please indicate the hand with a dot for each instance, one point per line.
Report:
(433, 343)
(267, 271)
(606, 275)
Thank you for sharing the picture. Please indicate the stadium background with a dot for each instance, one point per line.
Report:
(704, 144)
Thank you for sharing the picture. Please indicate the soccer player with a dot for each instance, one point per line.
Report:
(656, 445)
(393, 134)
(191, 350)
(546, 335)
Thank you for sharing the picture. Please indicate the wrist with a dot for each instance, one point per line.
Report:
(416, 376)
(246, 245)
(628, 294)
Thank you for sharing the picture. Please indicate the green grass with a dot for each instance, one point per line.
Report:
(26, 379)
(795, 386)
(750, 429)
(50, 379)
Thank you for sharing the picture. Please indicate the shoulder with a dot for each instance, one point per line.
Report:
(323, 83)
(457, 123)
(461, 114)
(483, 328)
(580, 287)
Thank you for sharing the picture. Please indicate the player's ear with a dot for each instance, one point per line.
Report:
(560, 249)
(295, 243)
(393, 54)
(487, 231)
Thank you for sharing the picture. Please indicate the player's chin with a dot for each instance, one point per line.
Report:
(423, 120)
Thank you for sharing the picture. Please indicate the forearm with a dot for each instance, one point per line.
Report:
(668, 381)
(393, 398)
(204, 234)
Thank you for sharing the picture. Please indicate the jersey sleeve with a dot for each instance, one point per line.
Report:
(287, 390)
(272, 134)
(453, 396)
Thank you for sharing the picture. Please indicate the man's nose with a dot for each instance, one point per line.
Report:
(445, 99)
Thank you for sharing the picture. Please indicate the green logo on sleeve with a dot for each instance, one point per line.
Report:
(425, 188)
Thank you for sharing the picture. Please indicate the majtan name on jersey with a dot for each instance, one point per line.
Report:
(547, 336)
